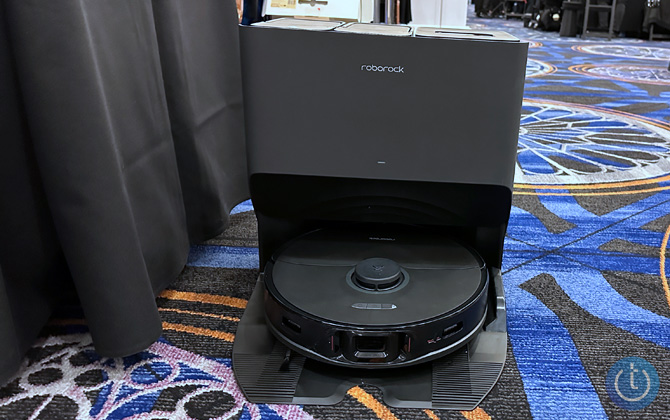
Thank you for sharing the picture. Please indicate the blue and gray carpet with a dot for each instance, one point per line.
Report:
(585, 273)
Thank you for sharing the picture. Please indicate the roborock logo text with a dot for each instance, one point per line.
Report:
(383, 69)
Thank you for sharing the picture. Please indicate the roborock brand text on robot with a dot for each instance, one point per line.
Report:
(372, 67)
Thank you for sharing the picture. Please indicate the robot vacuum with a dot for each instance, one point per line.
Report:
(381, 170)
(375, 298)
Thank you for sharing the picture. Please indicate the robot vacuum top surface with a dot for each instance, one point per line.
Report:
(362, 277)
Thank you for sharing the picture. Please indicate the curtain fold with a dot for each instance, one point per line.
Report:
(32, 268)
(128, 118)
(202, 74)
(10, 348)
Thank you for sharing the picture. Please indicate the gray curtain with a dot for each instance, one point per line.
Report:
(121, 142)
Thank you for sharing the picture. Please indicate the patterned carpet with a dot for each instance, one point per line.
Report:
(584, 271)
